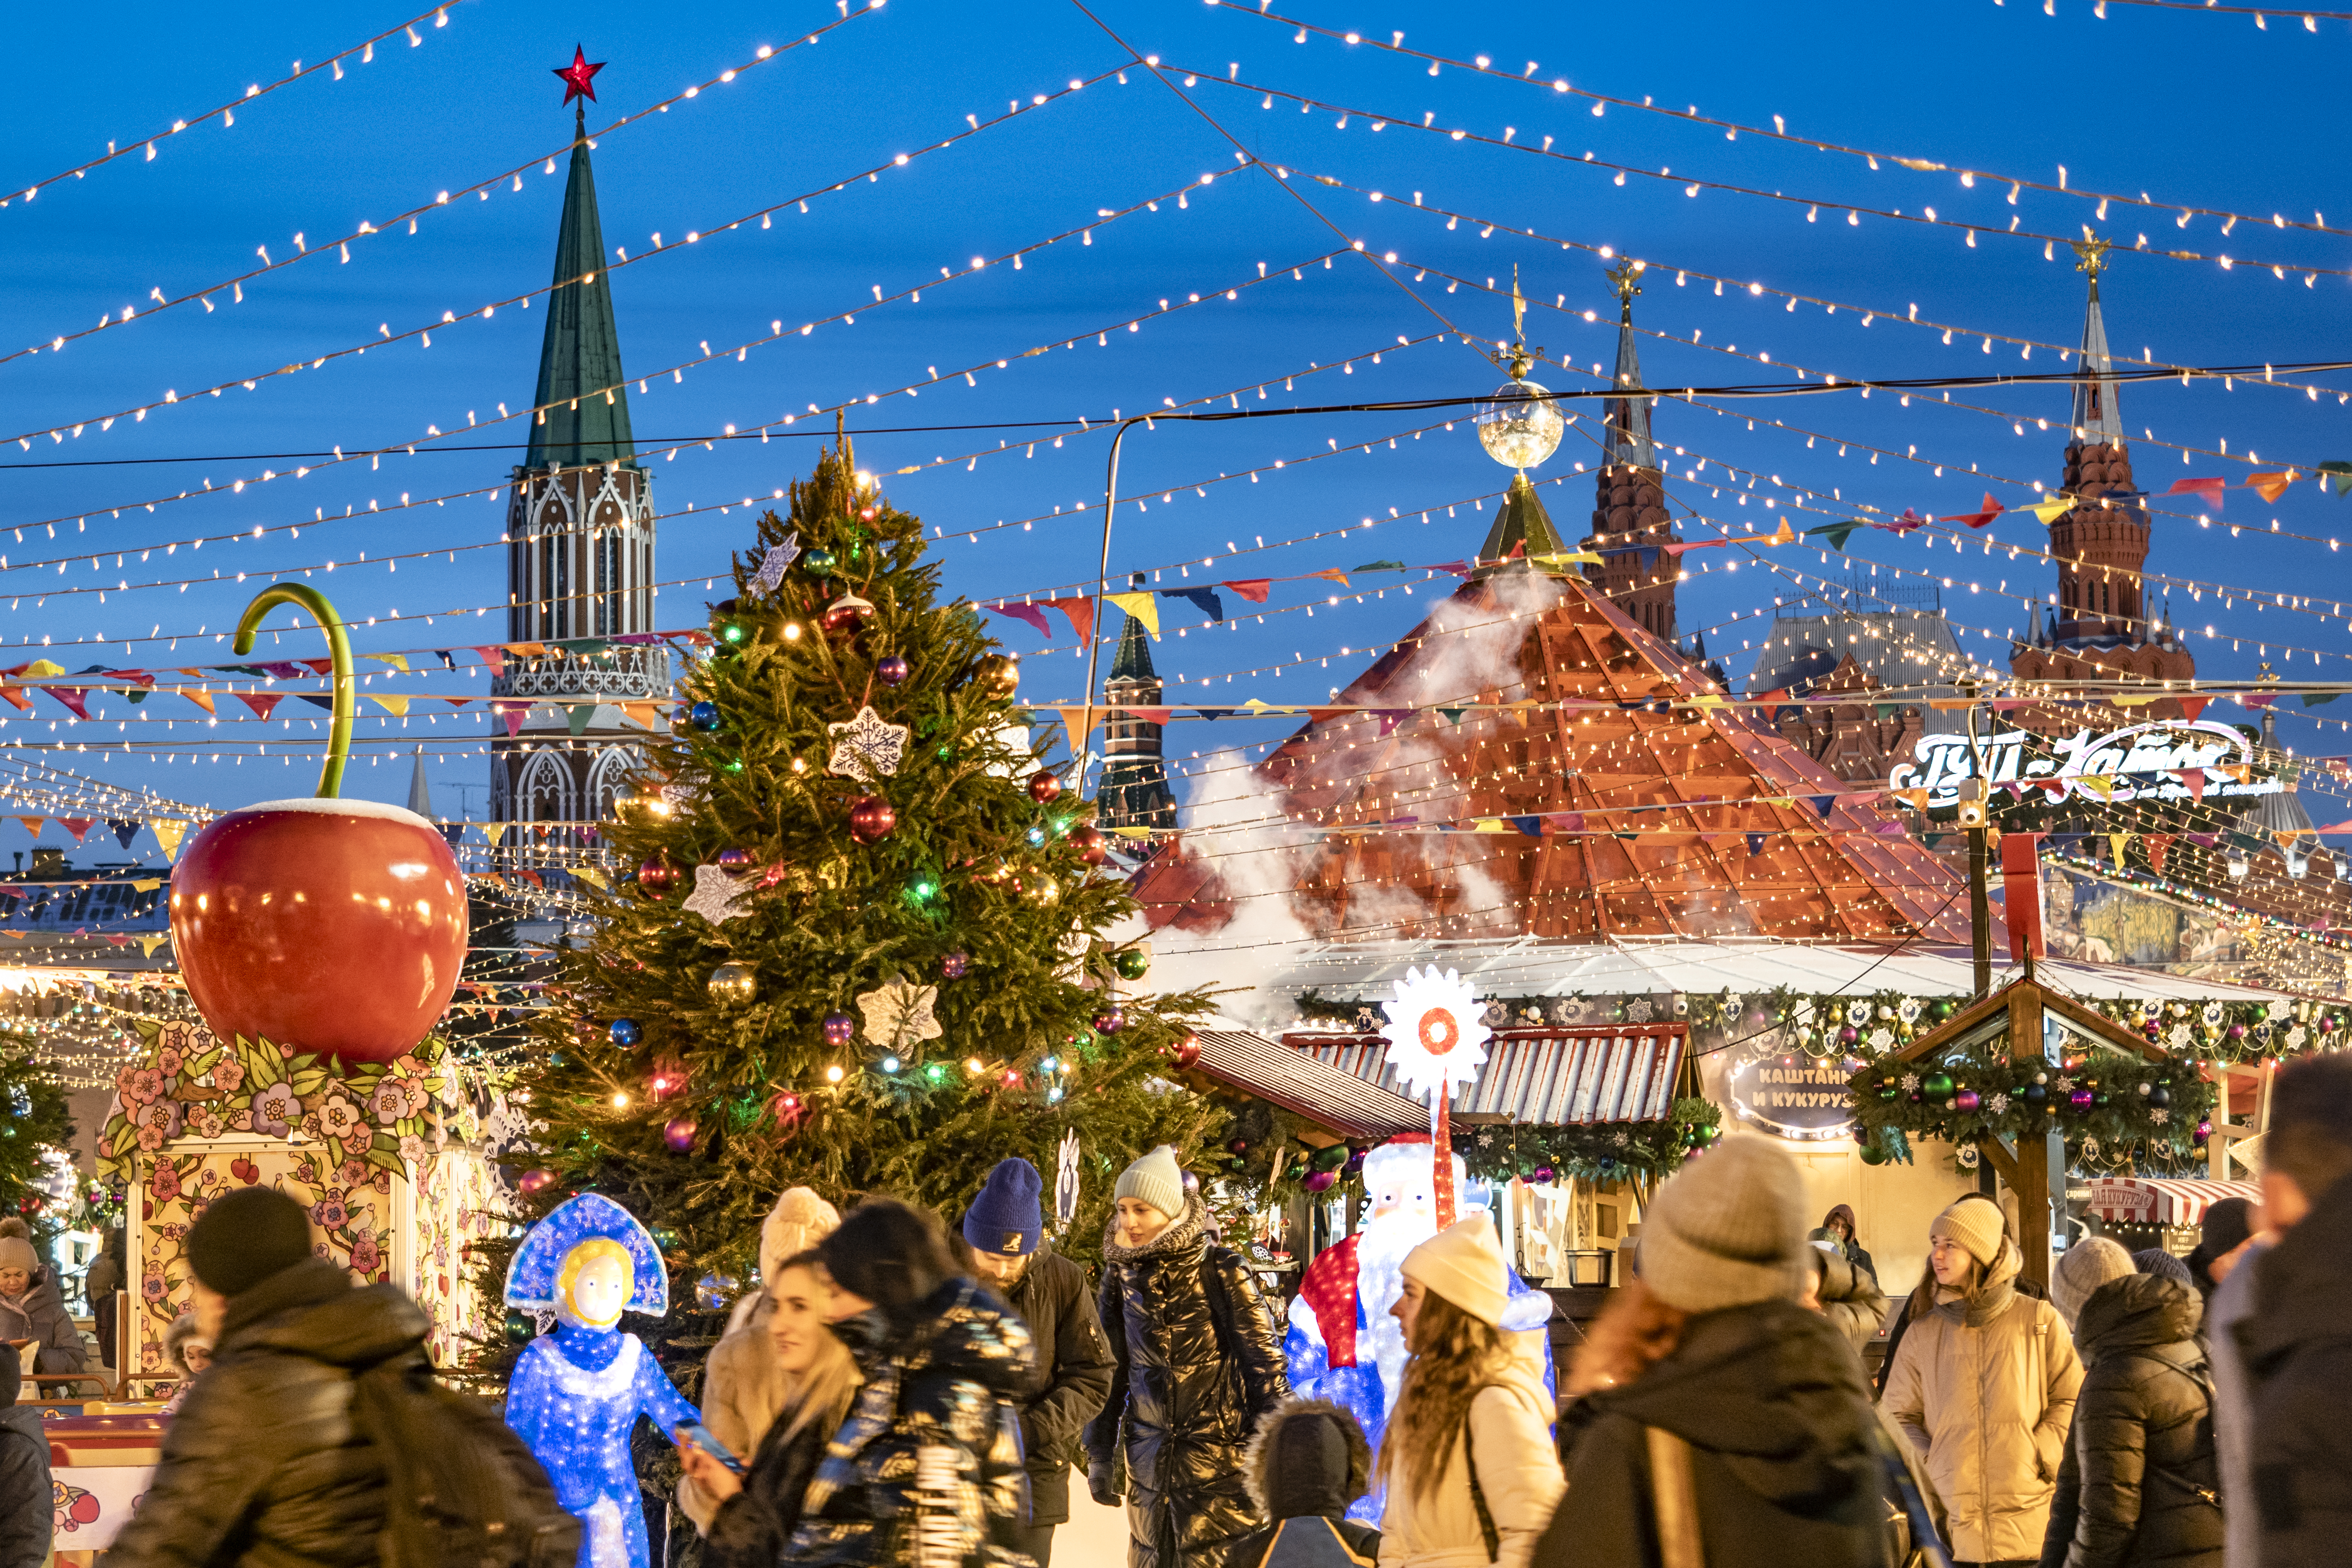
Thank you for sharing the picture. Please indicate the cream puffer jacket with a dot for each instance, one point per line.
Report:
(1986, 1393)
(1518, 1470)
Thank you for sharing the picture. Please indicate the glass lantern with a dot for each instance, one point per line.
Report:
(1519, 426)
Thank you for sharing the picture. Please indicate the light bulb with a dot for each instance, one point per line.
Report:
(1519, 426)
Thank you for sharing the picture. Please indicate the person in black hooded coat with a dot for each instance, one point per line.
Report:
(1308, 1461)
(2139, 1485)
(1198, 1363)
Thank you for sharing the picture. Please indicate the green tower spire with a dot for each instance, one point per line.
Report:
(584, 403)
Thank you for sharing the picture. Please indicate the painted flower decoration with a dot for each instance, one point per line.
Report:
(163, 1116)
(149, 1139)
(151, 1288)
(180, 1035)
(389, 1102)
(338, 1117)
(364, 1256)
(146, 1086)
(168, 1062)
(1436, 1032)
(275, 1109)
(128, 1085)
(413, 1150)
(228, 1075)
(209, 1122)
(357, 1144)
(352, 1173)
(165, 1184)
(328, 1213)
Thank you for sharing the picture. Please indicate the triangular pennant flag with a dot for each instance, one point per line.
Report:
(2209, 491)
(2051, 510)
(169, 832)
(1531, 826)
(316, 701)
(1333, 574)
(2336, 476)
(1204, 600)
(397, 661)
(78, 827)
(197, 695)
(1080, 613)
(513, 714)
(391, 705)
(577, 716)
(2157, 844)
(1078, 721)
(495, 657)
(2270, 486)
(1755, 845)
(74, 697)
(2315, 699)
(261, 703)
(1144, 607)
(1379, 566)
(448, 660)
(33, 824)
(1835, 534)
(2115, 842)
(647, 715)
(1253, 589)
(495, 832)
(1821, 803)
(125, 829)
(14, 698)
(2191, 707)
(317, 666)
(1028, 614)
(148, 945)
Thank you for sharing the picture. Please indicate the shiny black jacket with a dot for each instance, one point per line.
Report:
(2297, 1349)
(2138, 1485)
(27, 1501)
(749, 1529)
(930, 1452)
(1198, 1363)
(1069, 1383)
(262, 1468)
(1784, 1469)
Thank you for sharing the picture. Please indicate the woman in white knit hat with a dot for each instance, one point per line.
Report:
(1984, 1385)
(1467, 1457)
(1197, 1364)
(1711, 1409)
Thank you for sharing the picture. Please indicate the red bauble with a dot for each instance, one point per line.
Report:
(1044, 785)
(1092, 847)
(871, 819)
(846, 616)
(328, 925)
(657, 876)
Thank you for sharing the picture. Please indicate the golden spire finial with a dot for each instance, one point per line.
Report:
(2091, 253)
(1622, 279)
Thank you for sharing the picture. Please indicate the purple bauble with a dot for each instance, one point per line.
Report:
(893, 671)
(1110, 1020)
(1544, 1174)
(532, 1181)
(2204, 1131)
(678, 1132)
(1848, 1035)
(840, 1029)
(2236, 1031)
(1966, 1100)
(1318, 1181)
(734, 859)
(2081, 1099)
(1192, 1182)
(955, 965)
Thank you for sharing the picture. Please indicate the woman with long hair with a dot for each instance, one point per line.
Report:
(753, 1514)
(1715, 1420)
(1467, 1457)
(1984, 1385)
(930, 1452)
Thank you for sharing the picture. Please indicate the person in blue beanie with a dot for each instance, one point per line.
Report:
(1005, 1229)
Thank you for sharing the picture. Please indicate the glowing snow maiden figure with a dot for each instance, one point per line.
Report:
(576, 1393)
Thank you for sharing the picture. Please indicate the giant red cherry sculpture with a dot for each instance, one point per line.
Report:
(325, 925)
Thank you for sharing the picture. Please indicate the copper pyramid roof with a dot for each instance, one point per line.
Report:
(1672, 792)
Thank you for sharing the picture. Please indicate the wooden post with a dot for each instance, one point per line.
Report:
(2032, 1175)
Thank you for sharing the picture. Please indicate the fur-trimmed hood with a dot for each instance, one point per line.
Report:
(1292, 1473)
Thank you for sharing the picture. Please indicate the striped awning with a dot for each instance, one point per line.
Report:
(1251, 1064)
(2161, 1200)
(1540, 1077)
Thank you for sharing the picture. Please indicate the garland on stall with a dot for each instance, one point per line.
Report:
(190, 1084)
(1601, 1151)
(2108, 1102)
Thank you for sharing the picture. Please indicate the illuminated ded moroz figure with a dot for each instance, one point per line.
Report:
(576, 1393)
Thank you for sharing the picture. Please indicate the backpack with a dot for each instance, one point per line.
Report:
(461, 1490)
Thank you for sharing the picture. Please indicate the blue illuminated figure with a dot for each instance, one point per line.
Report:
(576, 1393)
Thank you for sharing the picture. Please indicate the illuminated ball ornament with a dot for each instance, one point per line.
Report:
(840, 1029)
(1520, 425)
(534, 1181)
(819, 563)
(955, 965)
(871, 819)
(678, 1133)
(1044, 785)
(893, 671)
(1131, 963)
(626, 1032)
(1110, 1020)
(703, 715)
(1937, 1086)
(735, 860)
(657, 876)
(577, 1394)
(733, 983)
(997, 675)
(1967, 1100)
(2081, 1100)
(1092, 847)
(846, 616)
(1320, 1181)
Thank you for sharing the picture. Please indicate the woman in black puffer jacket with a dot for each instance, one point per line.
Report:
(2138, 1488)
(1198, 1362)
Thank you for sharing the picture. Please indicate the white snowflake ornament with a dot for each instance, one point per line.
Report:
(867, 747)
(1998, 1104)
(1436, 1032)
(1910, 1083)
(899, 1014)
(717, 895)
(773, 565)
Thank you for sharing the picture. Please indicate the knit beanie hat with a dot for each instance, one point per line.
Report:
(245, 1237)
(1975, 1225)
(1727, 1230)
(2156, 1261)
(15, 1253)
(1006, 1216)
(1464, 1263)
(1155, 1179)
(799, 1221)
(2083, 1269)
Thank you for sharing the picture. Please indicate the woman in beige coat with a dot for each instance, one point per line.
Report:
(743, 1386)
(1984, 1386)
(1472, 1395)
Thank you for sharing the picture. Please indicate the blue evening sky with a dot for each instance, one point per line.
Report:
(2197, 109)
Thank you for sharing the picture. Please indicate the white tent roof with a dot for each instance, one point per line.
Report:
(1363, 971)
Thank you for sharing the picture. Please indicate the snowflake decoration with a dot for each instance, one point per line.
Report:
(676, 796)
(2295, 1037)
(1619, 1138)
(2066, 1084)
(1638, 1012)
(1998, 1104)
(1879, 1039)
(867, 747)
(1908, 1009)
(1910, 1083)
(773, 564)
(716, 895)
(899, 1014)
(1436, 1032)
(2179, 1037)
(2159, 1115)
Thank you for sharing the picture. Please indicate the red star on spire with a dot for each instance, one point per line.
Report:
(579, 75)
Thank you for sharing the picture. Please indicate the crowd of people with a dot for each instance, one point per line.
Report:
(899, 1392)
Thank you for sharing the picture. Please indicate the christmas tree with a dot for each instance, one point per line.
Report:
(859, 947)
(34, 1124)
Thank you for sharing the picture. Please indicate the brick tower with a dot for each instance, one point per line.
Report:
(1629, 508)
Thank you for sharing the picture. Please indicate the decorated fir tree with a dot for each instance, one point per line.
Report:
(34, 1124)
(856, 947)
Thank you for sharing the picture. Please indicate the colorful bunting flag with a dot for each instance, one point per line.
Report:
(1204, 600)
(1144, 607)
(1028, 614)
(169, 832)
(1080, 613)
(1253, 589)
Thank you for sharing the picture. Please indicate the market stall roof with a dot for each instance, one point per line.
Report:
(2162, 1200)
(1364, 971)
(1335, 1100)
(1548, 1078)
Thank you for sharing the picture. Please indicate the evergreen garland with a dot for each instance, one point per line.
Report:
(1599, 1151)
(694, 1103)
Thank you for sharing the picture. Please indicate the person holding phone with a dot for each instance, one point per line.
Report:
(756, 1509)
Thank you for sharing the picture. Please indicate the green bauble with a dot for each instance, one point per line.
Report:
(520, 1329)
(818, 562)
(1942, 1009)
(1936, 1086)
(1872, 1154)
(1132, 964)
